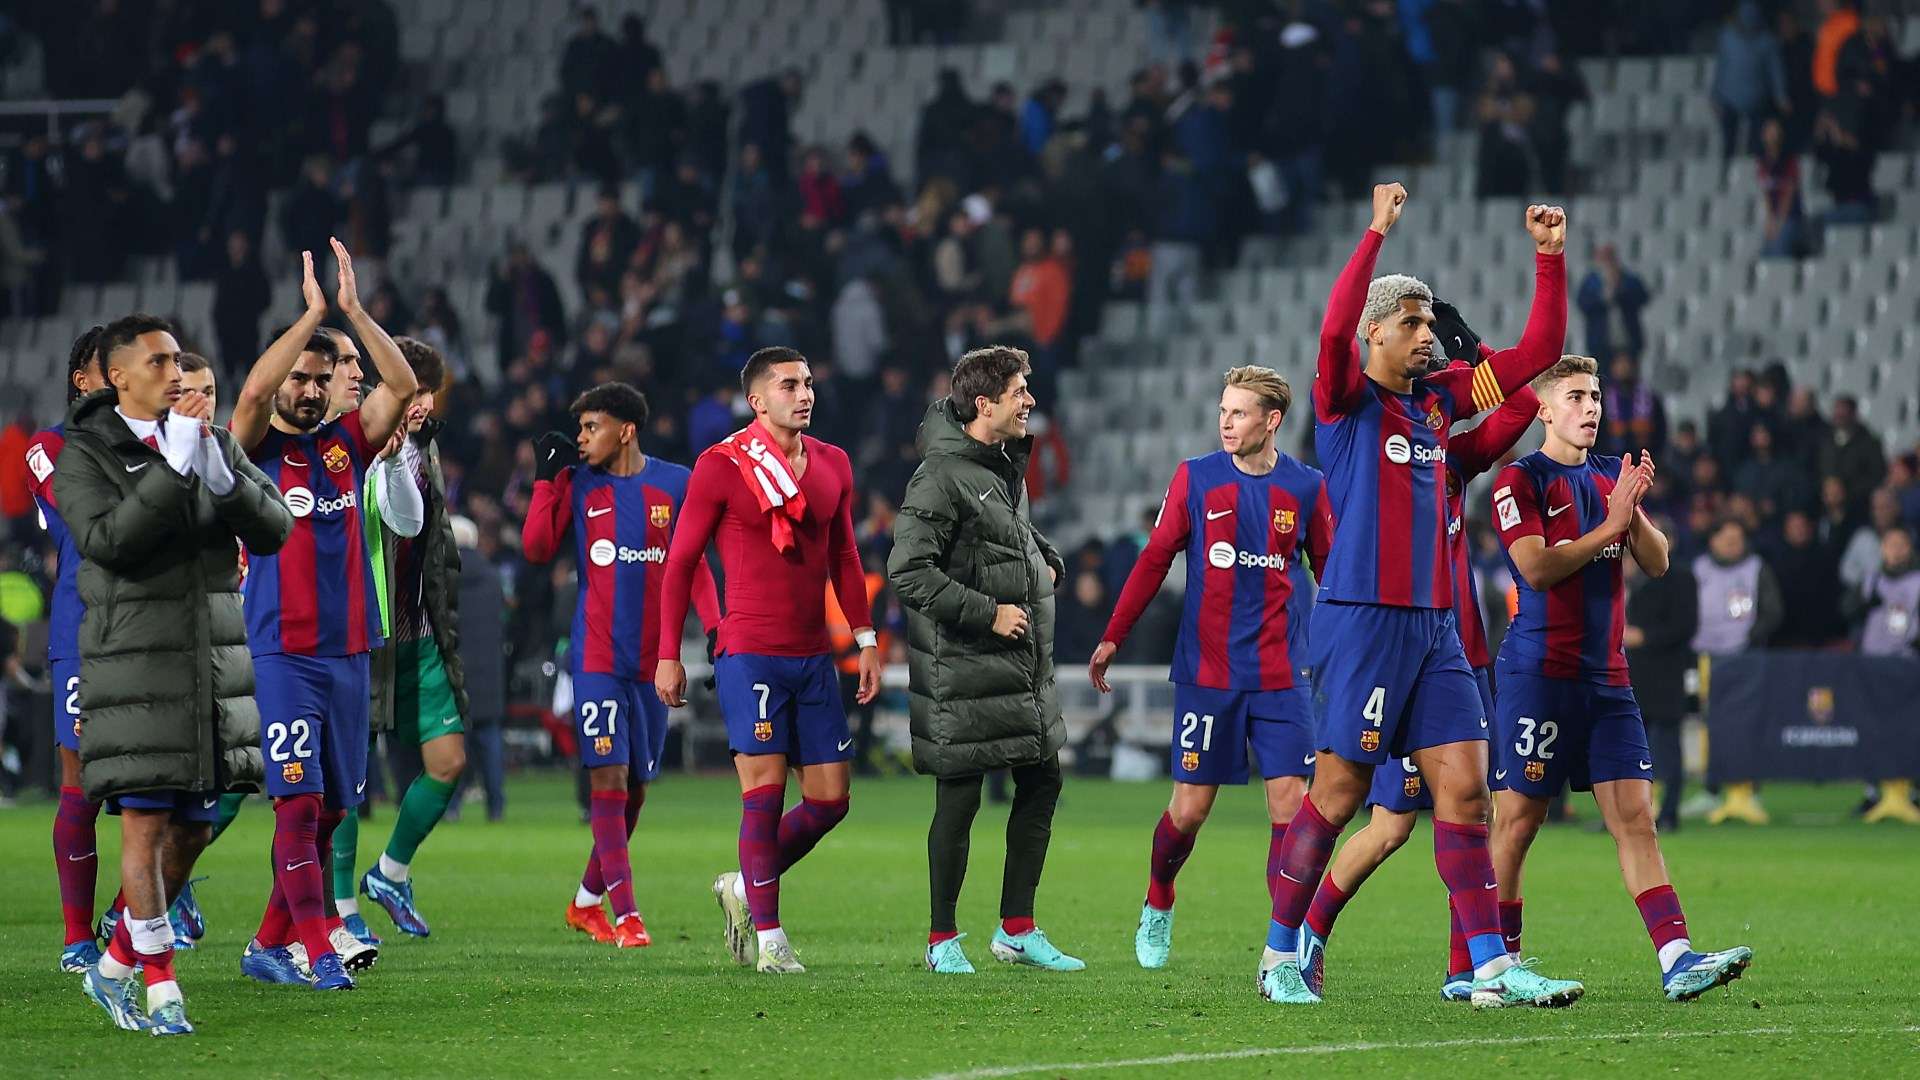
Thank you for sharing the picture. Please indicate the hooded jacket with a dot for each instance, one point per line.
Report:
(963, 545)
(166, 683)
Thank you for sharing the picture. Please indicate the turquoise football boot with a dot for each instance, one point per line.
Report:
(1153, 941)
(1520, 984)
(1283, 984)
(1696, 973)
(1032, 949)
(947, 959)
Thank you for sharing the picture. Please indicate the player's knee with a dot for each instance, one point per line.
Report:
(1633, 824)
(1189, 814)
(448, 767)
(602, 778)
(1395, 834)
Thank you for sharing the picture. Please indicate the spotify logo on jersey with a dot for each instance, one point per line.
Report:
(1398, 451)
(300, 501)
(1221, 554)
(603, 552)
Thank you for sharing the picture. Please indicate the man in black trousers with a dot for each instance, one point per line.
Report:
(977, 581)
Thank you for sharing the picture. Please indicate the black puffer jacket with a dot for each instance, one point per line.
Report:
(962, 546)
(166, 684)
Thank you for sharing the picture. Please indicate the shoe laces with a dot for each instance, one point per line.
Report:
(1160, 929)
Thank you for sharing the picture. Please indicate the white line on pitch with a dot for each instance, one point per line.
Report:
(991, 1072)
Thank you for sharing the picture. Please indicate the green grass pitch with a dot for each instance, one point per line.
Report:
(502, 989)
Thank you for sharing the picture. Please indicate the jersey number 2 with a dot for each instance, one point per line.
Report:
(590, 713)
(1189, 724)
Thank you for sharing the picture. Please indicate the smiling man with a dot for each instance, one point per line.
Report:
(1565, 710)
(977, 581)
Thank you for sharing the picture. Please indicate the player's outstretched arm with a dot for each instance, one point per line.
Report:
(1339, 377)
(382, 410)
(1474, 452)
(115, 532)
(1169, 536)
(1502, 374)
(253, 508)
(850, 584)
(1518, 518)
(253, 407)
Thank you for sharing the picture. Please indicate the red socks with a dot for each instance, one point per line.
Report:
(76, 861)
(1304, 855)
(595, 878)
(296, 871)
(276, 926)
(1274, 844)
(1017, 925)
(804, 825)
(1660, 910)
(1460, 854)
(1327, 902)
(1510, 924)
(1170, 850)
(1459, 960)
(607, 814)
(760, 852)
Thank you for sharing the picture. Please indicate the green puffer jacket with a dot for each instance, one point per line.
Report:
(962, 546)
(440, 565)
(166, 684)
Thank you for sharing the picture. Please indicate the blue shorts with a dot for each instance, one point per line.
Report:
(314, 714)
(1215, 732)
(1398, 786)
(199, 807)
(619, 721)
(1390, 680)
(66, 703)
(783, 705)
(1567, 731)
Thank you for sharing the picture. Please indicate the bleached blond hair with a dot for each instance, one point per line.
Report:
(1264, 383)
(1385, 293)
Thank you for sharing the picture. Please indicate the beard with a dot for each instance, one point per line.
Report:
(300, 414)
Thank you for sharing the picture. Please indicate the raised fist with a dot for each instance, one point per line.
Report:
(1388, 199)
(1547, 225)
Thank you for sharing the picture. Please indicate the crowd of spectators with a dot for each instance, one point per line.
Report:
(1020, 214)
(1837, 92)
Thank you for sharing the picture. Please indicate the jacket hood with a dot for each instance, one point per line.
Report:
(942, 434)
(94, 412)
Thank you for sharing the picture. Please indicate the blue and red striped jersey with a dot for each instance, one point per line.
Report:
(1573, 629)
(1249, 599)
(63, 620)
(1471, 453)
(315, 597)
(1385, 453)
(622, 527)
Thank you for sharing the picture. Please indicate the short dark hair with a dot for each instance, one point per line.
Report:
(429, 368)
(193, 361)
(86, 350)
(984, 373)
(617, 399)
(763, 361)
(322, 343)
(127, 329)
